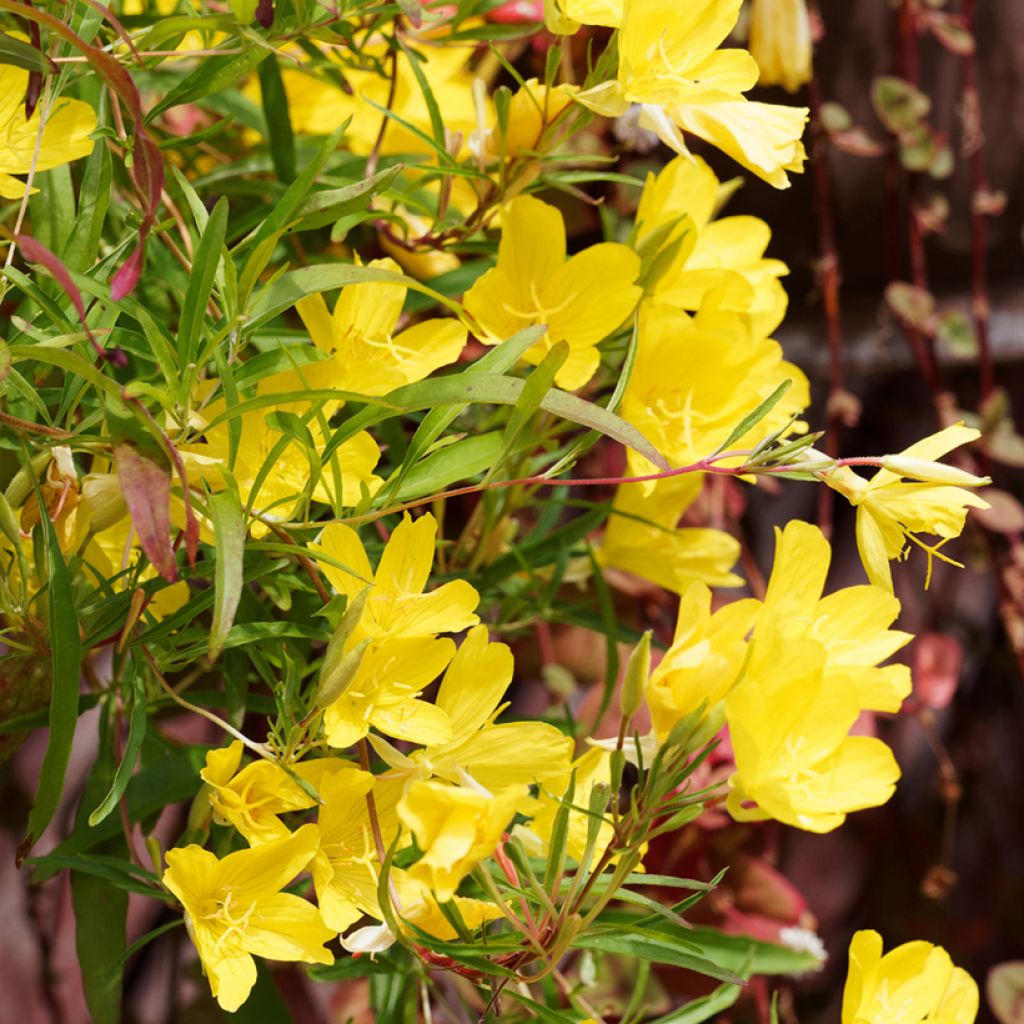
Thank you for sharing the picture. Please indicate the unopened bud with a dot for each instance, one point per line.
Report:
(634, 683)
(932, 472)
(334, 681)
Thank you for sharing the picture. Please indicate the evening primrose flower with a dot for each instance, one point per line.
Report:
(780, 42)
(456, 827)
(911, 984)
(365, 355)
(492, 754)
(564, 17)
(670, 64)
(384, 694)
(234, 910)
(705, 660)
(694, 380)
(795, 761)
(581, 300)
(64, 134)
(724, 254)
(643, 538)
(911, 494)
(532, 109)
(852, 624)
(397, 605)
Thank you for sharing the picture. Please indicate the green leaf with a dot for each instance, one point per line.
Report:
(753, 418)
(656, 948)
(136, 734)
(330, 204)
(93, 201)
(19, 54)
(229, 534)
(450, 464)
(211, 75)
(65, 665)
(275, 111)
(697, 1010)
(200, 286)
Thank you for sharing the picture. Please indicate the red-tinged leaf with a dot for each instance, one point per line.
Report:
(937, 663)
(126, 277)
(265, 13)
(36, 252)
(1005, 513)
(1004, 990)
(146, 487)
(517, 12)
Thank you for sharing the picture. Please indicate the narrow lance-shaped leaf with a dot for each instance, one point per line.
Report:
(276, 114)
(229, 533)
(146, 486)
(65, 664)
(200, 286)
(136, 734)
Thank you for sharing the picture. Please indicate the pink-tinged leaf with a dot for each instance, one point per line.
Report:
(761, 889)
(265, 13)
(126, 277)
(146, 487)
(937, 663)
(1005, 513)
(1004, 990)
(517, 11)
(36, 252)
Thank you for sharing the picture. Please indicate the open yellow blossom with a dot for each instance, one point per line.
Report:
(251, 799)
(397, 605)
(643, 538)
(705, 660)
(564, 17)
(65, 132)
(235, 910)
(384, 694)
(852, 624)
(780, 42)
(914, 495)
(725, 254)
(581, 300)
(911, 984)
(491, 754)
(795, 761)
(455, 827)
(365, 354)
(670, 64)
(695, 379)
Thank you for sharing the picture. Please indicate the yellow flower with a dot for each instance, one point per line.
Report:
(795, 761)
(531, 111)
(912, 983)
(235, 910)
(65, 133)
(251, 799)
(346, 869)
(642, 537)
(397, 605)
(670, 64)
(423, 263)
(581, 300)
(851, 625)
(695, 379)
(456, 827)
(914, 495)
(564, 17)
(491, 754)
(383, 694)
(705, 660)
(364, 353)
(780, 42)
(725, 254)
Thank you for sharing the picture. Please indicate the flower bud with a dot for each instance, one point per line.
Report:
(932, 472)
(634, 683)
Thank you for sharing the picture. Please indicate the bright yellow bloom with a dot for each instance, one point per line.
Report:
(365, 355)
(851, 625)
(643, 538)
(780, 42)
(705, 660)
(531, 111)
(581, 300)
(911, 984)
(914, 495)
(383, 694)
(670, 64)
(251, 799)
(725, 254)
(456, 827)
(695, 379)
(319, 105)
(65, 134)
(795, 761)
(397, 605)
(235, 910)
(492, 755)
(564, 17)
